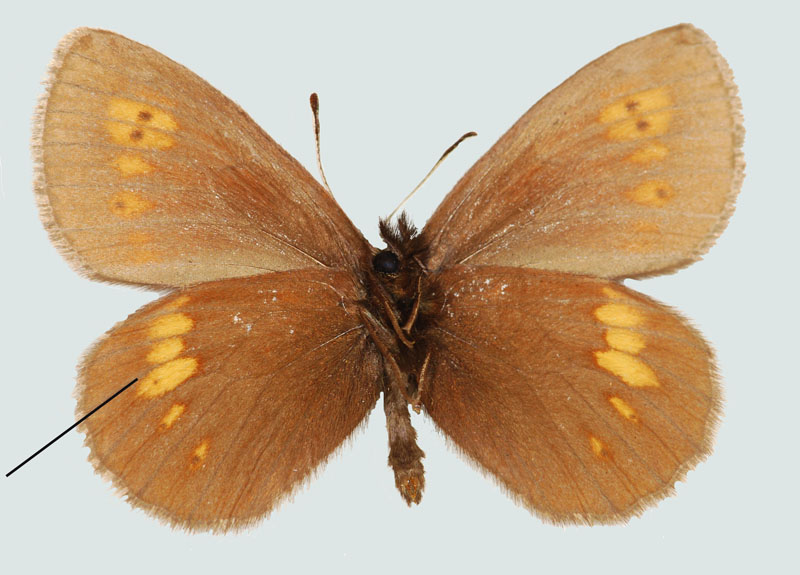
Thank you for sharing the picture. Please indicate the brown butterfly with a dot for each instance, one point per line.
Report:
(504, 319)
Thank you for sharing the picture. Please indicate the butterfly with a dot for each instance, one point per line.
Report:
(504, 319)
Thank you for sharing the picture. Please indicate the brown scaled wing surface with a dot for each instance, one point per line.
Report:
(583, 398)
(246, 386)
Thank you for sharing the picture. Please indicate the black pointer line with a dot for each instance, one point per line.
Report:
(73, 426)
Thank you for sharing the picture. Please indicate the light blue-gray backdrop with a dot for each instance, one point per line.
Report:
(398, 83)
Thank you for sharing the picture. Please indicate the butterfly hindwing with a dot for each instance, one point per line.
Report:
(586, 400)
(148, 175)
(245, 386)
(629, 168)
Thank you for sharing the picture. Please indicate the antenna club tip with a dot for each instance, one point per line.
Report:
(314, 99)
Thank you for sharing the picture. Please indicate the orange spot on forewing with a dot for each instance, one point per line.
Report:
(139, 238)
(130, 165)
(135, 137)
(139, 125)
(652, 152)
(143, 256)
(646, 126)
(127, 204)
(635, 105)
(141, 114)
(641, 115)
(654, 193)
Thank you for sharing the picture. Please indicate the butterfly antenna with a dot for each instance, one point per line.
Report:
(428, 175)
(314, 99)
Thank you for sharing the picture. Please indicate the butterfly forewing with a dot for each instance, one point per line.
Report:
(245, 386)
(629, 168)
(585, 399)
(148, 175)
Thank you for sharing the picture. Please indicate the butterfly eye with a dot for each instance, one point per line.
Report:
(386, 262)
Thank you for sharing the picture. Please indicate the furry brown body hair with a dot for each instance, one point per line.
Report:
(402, 305)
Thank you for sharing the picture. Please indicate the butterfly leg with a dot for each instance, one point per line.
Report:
(416, 400)
(396, 325)
(414, 310)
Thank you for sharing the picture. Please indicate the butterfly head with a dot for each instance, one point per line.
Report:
(403, 291)
(386, 262)
(399, 265)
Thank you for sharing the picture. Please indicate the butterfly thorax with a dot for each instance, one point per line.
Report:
(400, 308)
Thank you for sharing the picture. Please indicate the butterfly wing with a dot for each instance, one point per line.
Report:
(585, 399)
(246, 385)
(148, 175)
(629, 168)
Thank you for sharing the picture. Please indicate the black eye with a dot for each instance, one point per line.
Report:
(385, 262)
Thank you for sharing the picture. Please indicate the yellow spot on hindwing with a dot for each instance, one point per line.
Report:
(631, 370)
(612, 293)
(173, 414)
(597, 446)
(199, 454)
(619, 315)
(170, 325)
(177, 302)
(653, 193)
(127, 204)
(167, 377)
(624, 343)
(131, 165)
(165, 350)
(623, 408)
(650, 153)
(201, 450)
(625, 340)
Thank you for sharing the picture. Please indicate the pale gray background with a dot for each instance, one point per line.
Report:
(397, 86)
